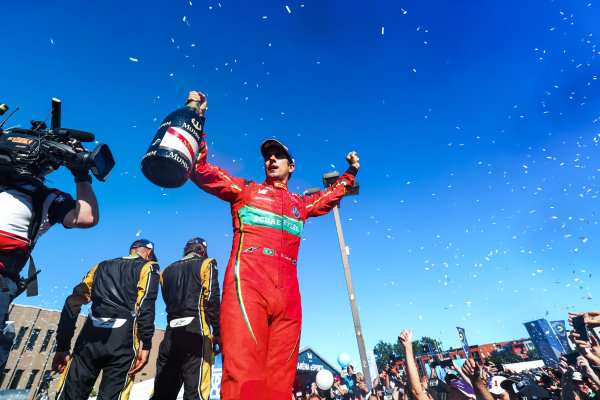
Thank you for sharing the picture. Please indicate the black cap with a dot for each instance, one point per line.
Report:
(273, 142)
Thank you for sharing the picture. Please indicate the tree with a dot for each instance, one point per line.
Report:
(386, 352)
(504, 358)
(534, 354)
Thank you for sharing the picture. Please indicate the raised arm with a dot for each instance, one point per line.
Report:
(321, 203)
(472, 370)
(405, 339)
(206, 176)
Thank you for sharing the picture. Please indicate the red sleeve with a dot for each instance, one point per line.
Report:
(321, 203)
(214, 180)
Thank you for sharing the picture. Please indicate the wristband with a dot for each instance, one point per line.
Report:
(83, 177)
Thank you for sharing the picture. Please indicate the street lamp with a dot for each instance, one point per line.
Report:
(328, 180)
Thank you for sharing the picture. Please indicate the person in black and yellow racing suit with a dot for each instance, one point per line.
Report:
(123, 292)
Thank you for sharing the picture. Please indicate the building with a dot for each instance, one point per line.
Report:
(29, 364)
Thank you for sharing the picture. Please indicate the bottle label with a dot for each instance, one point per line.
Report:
(178, 139)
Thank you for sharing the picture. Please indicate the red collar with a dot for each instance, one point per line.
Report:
(277, 185)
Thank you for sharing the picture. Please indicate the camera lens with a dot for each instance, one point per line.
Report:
(3, 108)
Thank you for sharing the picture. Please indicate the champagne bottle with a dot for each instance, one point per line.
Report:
(173, 151)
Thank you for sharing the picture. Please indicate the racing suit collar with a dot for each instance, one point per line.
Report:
(277, 185)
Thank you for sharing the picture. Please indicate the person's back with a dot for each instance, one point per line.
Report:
(190, 289)
(123, 291)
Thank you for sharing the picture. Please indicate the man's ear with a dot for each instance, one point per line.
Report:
(291, 167)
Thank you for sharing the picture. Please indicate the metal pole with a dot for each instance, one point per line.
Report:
(359, 335)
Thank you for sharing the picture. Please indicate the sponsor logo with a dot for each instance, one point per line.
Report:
(263, 191)
(255, 216)
(250, 249)
(268, 252)
(196, 124)
(295, 212)
(21, 140)
(264, 198)
(175, 323)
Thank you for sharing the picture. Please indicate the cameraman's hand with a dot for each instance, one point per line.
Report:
(60, 361)
(80, 174)
(199, 98)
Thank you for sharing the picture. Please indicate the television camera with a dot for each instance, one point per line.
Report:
(31, 152)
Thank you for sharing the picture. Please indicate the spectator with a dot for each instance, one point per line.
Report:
(406, 339)
(495, 388)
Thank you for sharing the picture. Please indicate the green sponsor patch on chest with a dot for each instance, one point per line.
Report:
(257, 217)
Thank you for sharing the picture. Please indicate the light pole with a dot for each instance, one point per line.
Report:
(328, 180)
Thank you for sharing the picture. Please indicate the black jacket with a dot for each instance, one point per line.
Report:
(190, 288)
(124, 287)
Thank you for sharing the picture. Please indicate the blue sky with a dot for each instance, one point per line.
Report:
(476, 124)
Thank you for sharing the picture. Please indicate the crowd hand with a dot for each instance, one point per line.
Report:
(60, 361)
(591, 318)
(353, 159)
(583, 366)
(396, 393)
(140, 362)
(590, 350)
(405, 337)
(564, 368)
(197, 97)
(471, 369)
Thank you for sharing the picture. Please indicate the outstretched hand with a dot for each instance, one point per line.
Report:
(591, 318)
(472, 369)
(199, 98)
(353, 159)
(405, 337)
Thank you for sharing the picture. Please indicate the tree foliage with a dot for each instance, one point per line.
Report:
(386, 352)
(506, 358)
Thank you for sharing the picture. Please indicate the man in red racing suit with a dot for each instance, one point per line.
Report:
(261, 314)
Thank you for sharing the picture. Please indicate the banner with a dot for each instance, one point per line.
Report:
(545, 340)
(463, 341)
(561, 333)
(215, 381)
(372, 367)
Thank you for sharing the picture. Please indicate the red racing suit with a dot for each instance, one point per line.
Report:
(261, 314)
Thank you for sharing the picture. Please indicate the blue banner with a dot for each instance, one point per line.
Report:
(561, 333)
(463, 341)
(545, 340)
(215, 382)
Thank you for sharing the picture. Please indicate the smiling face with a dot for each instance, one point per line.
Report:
(277, 165)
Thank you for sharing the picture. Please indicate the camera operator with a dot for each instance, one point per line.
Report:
(27, 210)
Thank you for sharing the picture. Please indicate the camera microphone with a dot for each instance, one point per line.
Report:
(3, 108)
(55, 121)
(82, 136)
